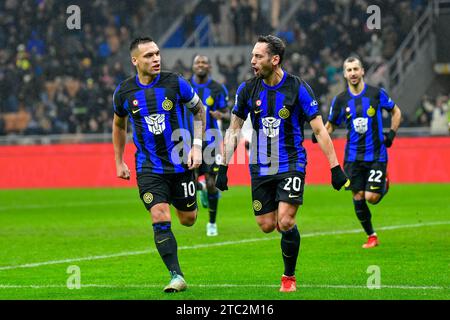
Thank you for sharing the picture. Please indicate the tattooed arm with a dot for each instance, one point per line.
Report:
(195, 155)
(199, 120)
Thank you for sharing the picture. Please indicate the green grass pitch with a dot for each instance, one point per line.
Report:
(107, 234)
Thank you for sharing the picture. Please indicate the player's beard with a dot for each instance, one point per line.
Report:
(201, 72)
(355, 82)
(202, 75)
(262, 73)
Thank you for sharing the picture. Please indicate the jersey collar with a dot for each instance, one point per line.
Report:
(151, 84)
(200, 85)
(275, 87)
(358, 95)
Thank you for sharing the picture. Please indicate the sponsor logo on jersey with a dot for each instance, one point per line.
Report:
(155, 123)
(271, 126)
(360, 125)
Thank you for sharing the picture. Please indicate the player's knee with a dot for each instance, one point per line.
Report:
(188, 219)
(373, 198)
(358, 196)
(160, 212)
(211, 186)
(267, 227)
(286, 223)
(267, 222)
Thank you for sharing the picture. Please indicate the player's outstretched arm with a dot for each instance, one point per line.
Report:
(195, 155)
(119, 137)
(230, 144)
(338, 177)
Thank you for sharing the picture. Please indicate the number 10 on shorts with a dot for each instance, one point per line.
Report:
(189, 189)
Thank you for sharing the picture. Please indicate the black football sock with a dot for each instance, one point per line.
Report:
(167, 246)
(364, 216)
(213, 199)
(290, 246)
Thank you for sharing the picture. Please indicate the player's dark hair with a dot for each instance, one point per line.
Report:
(137, 41)
(353, 59)
(276, 45)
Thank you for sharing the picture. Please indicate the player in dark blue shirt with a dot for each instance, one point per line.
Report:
(215, 98)
(278, 103)
(360, 107)
(154, 101)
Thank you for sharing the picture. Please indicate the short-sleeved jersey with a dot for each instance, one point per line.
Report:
(155, 112)
(214, 97)
(278, 114)
(362, 115)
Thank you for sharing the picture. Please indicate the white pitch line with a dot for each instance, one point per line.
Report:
(107, 256)
(210, 245)
(147, 286)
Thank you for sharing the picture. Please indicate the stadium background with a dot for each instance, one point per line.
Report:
(56, 84)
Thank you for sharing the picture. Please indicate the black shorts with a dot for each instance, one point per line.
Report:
(366, 176)
(268, 191)
(178, 189)
(207, 168)
(210, 163)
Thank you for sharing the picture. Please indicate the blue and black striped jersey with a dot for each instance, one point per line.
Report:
(214, 97)
(278, 114)
(156, 112)
(363, 118)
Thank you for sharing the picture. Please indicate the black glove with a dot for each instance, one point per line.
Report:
(338, 178)
(389, 138)
(313, 138)
(222, 180)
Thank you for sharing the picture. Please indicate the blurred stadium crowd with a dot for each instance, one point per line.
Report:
(55, 80)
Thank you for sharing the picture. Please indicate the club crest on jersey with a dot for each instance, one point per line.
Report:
(258, 103)
(167, 104)
(284, 113)
(360, 125)
(155, 123)
(209, 101)
(257, 205)
(271, 126)
(135, 102)
(371, 111)
(147, 197)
